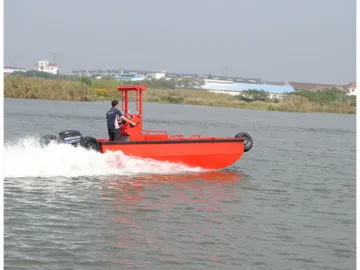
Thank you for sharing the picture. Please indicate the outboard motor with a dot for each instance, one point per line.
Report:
(70, 137)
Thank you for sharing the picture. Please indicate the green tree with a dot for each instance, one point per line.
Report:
(325, 96)
(161, 83)
(87, 81)
(35, 73)
(254, 95)
(186, 82)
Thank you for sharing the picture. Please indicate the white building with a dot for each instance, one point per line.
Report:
(46, 66)
(352, 89)
(216, 81)
(157, 75)
(9, 70)
(129, 77)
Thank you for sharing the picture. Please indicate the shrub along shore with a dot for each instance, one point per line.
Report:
(84, 89)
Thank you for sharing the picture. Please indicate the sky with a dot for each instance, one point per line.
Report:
(277, 40)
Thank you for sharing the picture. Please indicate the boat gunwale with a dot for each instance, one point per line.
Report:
(183, 141)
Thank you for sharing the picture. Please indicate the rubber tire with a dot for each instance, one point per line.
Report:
(90, 143)
(248, 143)
(46, 140)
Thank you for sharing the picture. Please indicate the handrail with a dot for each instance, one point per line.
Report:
(154, 131)
(177, 137)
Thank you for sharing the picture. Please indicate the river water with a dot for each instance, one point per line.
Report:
(289, 203)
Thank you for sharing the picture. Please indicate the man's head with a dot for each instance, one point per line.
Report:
(114, 103)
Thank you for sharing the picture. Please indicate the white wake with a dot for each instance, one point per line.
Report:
(26, 158)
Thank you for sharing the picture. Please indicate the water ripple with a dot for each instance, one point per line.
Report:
(289, 203)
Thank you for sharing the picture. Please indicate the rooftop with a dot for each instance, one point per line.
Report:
(273, 89)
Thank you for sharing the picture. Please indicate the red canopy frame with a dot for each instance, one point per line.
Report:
(124, 89)
(134, 132)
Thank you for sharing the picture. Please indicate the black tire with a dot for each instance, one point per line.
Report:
(248, 143)
(47, 139)
(90, 143)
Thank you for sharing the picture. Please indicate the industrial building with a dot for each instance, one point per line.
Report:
(232, 88)
(129, 77)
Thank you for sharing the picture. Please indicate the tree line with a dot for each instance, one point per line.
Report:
(162, 83)
(322, 97)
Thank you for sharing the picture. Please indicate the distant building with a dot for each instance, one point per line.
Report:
(314, 86)
(129, 77)
(275, 83)
(231, 88)
(248, 80)
(9, 70)
(80, 72)
(352, 91)
(46, 66)
(156, 76)
(216, 81)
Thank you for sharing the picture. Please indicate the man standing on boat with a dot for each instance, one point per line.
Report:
(113, 117)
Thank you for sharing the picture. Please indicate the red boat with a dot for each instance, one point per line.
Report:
(206, 152)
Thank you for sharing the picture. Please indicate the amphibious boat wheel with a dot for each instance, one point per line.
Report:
(90, 143)
(248, 143)
(47, 139)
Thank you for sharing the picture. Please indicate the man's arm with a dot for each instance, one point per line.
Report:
(122, 117)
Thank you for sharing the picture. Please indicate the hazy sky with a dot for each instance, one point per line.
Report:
(280, 40)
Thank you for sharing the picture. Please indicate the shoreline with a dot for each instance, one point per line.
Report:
(180, 104)
(35, 88)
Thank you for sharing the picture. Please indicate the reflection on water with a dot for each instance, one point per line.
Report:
(141, 209)
(122, 221)
(211, 189)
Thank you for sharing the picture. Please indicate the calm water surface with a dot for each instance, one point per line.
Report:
(289, 203)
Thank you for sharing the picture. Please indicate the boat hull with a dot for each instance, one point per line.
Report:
(207, 154)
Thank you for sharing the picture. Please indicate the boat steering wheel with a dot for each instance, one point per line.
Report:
(132, 118)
